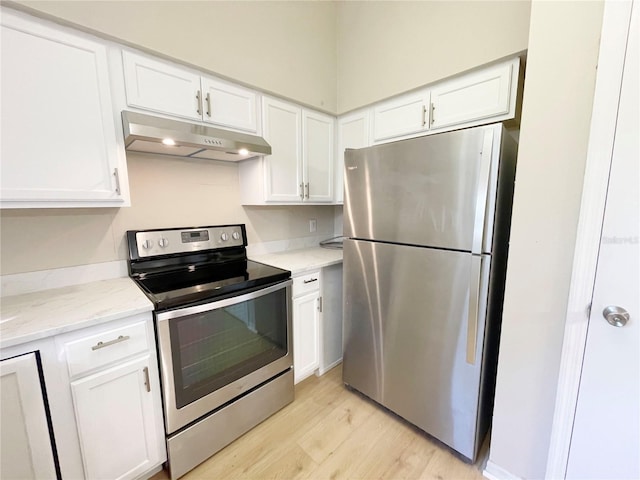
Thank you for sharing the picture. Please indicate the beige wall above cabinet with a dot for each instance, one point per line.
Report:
(60, 145)
(170, 89)
(300, 168)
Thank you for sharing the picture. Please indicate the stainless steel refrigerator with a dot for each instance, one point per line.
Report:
(426, 222)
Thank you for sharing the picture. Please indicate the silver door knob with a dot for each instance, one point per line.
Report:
(616, 316)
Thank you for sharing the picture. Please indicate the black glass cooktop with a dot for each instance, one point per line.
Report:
(193, 284)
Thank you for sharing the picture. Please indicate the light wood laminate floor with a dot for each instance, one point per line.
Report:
(330, 432)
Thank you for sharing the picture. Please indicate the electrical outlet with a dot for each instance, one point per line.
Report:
(313, 225)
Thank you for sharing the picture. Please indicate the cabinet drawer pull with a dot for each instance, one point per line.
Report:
(146, 378)
(199, 106)
(302, 191)
(307, 190)
(424, 115)
(310, 280)
(433, 113)
(100, 345)
(209, 105)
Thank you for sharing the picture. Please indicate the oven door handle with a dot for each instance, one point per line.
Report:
(206, 307)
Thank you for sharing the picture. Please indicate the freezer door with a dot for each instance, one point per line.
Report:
(431, 191)
(412, 341)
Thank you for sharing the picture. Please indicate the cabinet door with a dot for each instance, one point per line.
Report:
(283, 172)
(58, 129)
(161, 87)
(115, 415)
(400, 116)
(26, 446)
(475, 96)
(353, 132)
(229, 106)
(306, 322)
(317, 156)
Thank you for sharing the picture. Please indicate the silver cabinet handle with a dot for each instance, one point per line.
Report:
(147, 383)
(117, 175)
(310, 280)
(208, 104)
(320, 304)
(424, 115)
(100, 345)
(433, 113)
(616, 316)
(306, 195)
(199, 104)
(302, 191)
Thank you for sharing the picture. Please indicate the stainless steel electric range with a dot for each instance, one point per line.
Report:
(223, 325)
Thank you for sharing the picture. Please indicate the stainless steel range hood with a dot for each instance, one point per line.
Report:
(151, 134)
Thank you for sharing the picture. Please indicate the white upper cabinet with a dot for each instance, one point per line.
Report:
(160, 87)
(300, 167)
(401, 115)
(488, 94)
(283, 131)
(475, 96)
(173, 90)
(317, 156)
(59, 142)
(353, 132)
(229, 106)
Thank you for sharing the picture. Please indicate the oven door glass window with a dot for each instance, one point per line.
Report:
(217, 347)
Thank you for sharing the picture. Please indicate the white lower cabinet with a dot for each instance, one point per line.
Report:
(307, 305)
(115, 415)
(317, 321)
(116, 397)
(26, 451)
(103, 395)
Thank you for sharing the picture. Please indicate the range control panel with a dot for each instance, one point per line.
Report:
(165, 242)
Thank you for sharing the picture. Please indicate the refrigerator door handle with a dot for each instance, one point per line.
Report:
(482, 191)
(475, 282)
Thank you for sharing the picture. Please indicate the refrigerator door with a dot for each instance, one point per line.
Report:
(413, 342)
(430, 191)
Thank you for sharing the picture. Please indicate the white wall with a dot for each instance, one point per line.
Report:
(282, 47)
(389, 47)
(557, 104)
(165, 192)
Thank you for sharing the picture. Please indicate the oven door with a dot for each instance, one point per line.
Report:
(212, 353)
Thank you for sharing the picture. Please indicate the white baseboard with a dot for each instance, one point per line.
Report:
(496, 472)
(322, 371)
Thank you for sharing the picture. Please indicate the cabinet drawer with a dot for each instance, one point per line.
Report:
(306, 283)
(98, 350)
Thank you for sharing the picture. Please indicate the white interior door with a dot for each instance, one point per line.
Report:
(605, 443)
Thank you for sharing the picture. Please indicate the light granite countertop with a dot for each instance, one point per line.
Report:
(303, 260)
(32, 316)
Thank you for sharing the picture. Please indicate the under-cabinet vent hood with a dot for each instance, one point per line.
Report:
(151, 134)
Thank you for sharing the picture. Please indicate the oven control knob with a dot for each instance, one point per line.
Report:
(147, 244)
(235, 235)
(163, 242)
(224, 237)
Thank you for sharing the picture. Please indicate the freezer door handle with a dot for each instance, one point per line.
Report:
(474, 307)
(482, 191)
